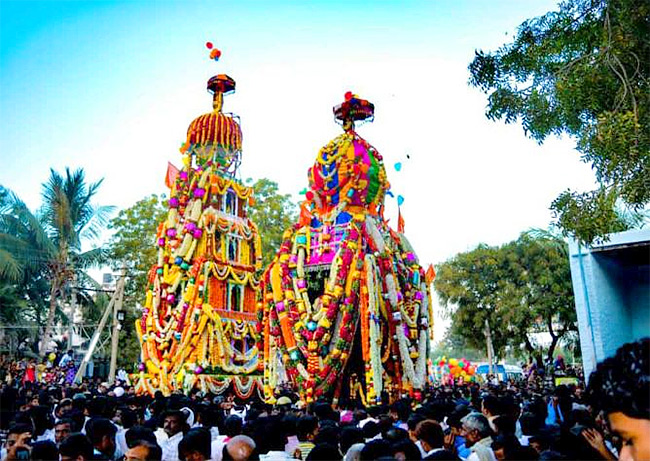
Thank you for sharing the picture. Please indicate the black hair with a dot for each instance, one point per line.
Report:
(44, 451)
(348, 437)
(137, 434)
(154, 452)
(504, 425)
(530, 423)
(20, 428)
(327, 434)
(76, 445)
(429, 431)
(492, 405)
(375, 449)
(97, 428)
(197, 439)
(232, 426)
(443, 455)
(622, 383)
(410, 450)
(324, 452)
(306, 425)
(370, 429)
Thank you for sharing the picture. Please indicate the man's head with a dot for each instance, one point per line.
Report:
(475, 427)
(239, 448)
(307, 428)
(64, 407)
(430, 434)
(137, 434)
(143, 450)
(19, 435)
(490, 406)
(620, 387)
(195, 445)
(173, 422)
(233, 426)
(62, 429)
(76, 447)
(101, 432)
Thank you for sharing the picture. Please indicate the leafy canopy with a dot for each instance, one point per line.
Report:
(273, 213)
(584, 71)
(520, 288)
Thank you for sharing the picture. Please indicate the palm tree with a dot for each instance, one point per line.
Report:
(49, 244)
(70, 218)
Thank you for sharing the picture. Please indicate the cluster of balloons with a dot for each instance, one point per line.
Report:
(457, 368)
(215, 53)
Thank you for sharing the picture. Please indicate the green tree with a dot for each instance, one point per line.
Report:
(520, 288)
(273, 213)
(133, 243)
(584, 71)
(41, 253)
(133, 246)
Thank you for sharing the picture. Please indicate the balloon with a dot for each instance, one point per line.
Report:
(398, 166)
(400, 200)
(461, 364)
(348, 95)
(453, 362)
(209, 45)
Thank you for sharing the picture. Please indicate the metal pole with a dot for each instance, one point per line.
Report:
(95, 339)
(73, 308)
(115, 334)
(490, 352)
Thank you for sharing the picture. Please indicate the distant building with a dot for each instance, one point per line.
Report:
(611, 284)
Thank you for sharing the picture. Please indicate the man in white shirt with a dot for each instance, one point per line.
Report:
(478, 437)
(170, 435)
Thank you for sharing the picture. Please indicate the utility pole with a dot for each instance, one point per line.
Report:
(115, 334)
(73, 308)
(102, 323)
(490, 350)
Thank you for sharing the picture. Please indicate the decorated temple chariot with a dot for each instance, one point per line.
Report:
(199, 327)
(345, 309)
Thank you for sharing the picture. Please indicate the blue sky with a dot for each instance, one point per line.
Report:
(112, 86)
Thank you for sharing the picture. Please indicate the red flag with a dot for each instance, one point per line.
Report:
(400, 221)
(430, 274)
(172, 174)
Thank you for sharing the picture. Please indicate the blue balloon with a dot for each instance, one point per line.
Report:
(398, 166)
(400, 200)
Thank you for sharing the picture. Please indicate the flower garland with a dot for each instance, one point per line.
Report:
(370, 280)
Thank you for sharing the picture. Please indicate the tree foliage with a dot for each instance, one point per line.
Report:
(520, 288)
(41, 253)
(273, 213)
(133, 246)
(583, 70)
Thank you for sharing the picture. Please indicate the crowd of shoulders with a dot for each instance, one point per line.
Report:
(95, 421)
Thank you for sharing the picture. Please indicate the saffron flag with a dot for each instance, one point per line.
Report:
(172, 174)
(430, 274)
(400, 221)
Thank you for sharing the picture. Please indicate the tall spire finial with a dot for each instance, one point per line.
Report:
(353, 109)
(219, 85)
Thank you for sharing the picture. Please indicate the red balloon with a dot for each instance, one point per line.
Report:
(218, 53)
(309, 195)
(348, 95)
(209, 45)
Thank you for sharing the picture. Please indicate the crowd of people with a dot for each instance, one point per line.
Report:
(609, 419)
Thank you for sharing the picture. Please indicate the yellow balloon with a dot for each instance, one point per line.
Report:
(453, 362)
